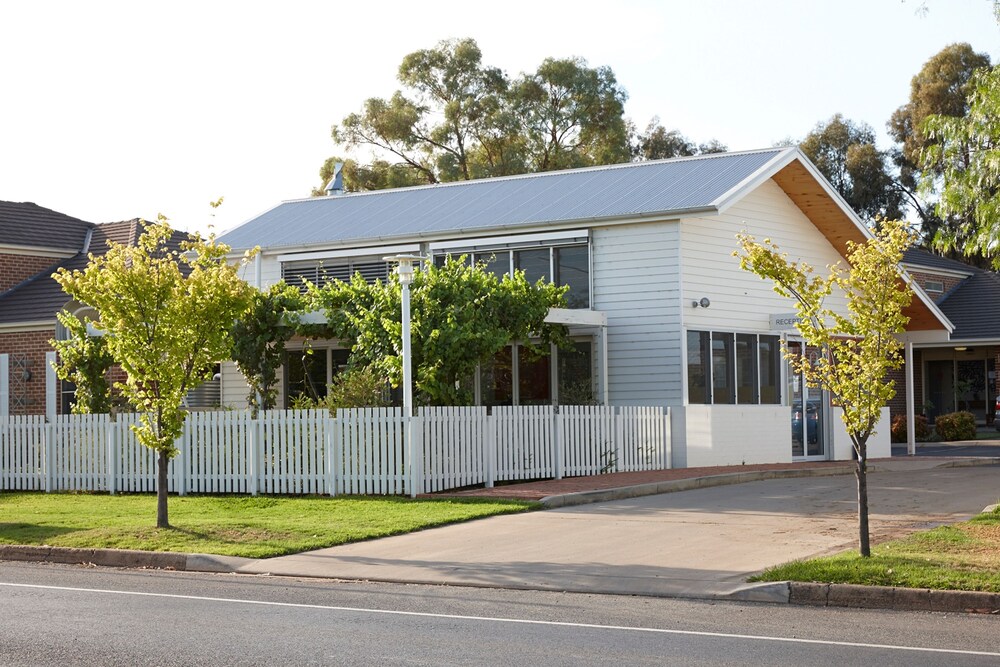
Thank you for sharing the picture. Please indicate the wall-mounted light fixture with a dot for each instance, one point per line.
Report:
(961, 349)
(703, 302)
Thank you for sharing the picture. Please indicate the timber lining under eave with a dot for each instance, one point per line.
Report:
(838, 228)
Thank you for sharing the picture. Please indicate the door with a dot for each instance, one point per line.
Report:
(808, 412)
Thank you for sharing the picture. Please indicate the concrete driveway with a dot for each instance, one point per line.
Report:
(699, 543)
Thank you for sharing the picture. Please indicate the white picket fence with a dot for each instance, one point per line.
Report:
(358, 452)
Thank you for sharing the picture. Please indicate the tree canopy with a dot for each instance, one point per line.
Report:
(966, 151)
(940, 88)
(455, 118)
(458, 119)
(860, 347)
(845, 152)
(165, 311)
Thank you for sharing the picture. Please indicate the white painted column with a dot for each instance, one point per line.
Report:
(4, 385)
(51, 387)
(604, 365)
(911, 428)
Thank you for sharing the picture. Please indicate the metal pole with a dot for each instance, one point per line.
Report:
(407, 379)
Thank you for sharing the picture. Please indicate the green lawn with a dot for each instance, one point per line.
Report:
(962, 556)
(254, 527)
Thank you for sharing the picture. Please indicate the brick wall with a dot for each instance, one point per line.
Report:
(32, 345)
(949, 282)
(16, 268)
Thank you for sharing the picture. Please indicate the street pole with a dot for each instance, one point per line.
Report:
(404, 269)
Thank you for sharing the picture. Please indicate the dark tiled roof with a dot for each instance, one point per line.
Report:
(40, 298)
(27, 224)
(974, 307)
(921, 257)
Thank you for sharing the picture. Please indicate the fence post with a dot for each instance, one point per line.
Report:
(50, 449)
(112, 444)
(178, 462)
(415, 453)
(333, 455)
(557, 440)
(491, 450)
(667, 439)
(253, 438)
(619, 437)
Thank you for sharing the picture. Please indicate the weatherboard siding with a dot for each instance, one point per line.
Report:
(739, 300)
(636, 280)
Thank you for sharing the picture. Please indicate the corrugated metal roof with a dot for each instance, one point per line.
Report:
(635, 189)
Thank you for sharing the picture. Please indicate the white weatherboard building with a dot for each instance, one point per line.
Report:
(659, 309)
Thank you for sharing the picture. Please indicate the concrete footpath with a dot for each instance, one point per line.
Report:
(626, 533)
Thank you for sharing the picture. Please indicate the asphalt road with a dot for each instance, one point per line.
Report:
(88, 616)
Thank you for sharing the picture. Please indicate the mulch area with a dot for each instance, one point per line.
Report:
(553, 487)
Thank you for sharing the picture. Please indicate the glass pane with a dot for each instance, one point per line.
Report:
(970, 388)
(534, 378)
(534, 263)
(496, 263)
(576, 376)
(746, 369)
(573, 269)
(769, 348)
(795, 401)
(306, 374)
(339, 359)
(814, 421)
(723, 368)
(697, 357)
(497, 380)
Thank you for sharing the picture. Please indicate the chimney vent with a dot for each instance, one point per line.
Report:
(336, 185)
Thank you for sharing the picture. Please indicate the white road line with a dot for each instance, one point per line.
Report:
(523, 621)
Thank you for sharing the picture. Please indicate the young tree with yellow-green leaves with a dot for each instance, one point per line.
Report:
(860, 348)
(165, 311)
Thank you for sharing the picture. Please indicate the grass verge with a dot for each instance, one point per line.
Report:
(962, 556)
(253, 527)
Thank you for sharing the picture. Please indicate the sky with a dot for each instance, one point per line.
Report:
(116, 110)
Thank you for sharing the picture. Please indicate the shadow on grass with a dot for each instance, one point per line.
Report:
(30, 533)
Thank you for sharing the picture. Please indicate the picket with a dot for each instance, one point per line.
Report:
(359, 451)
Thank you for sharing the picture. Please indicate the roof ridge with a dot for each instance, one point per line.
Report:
(542, 174)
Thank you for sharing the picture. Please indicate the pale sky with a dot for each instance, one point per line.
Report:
(116, 110)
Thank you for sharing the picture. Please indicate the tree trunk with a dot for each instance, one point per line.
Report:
(861, 472)
(161, 490)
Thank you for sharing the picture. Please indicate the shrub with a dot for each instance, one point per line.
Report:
(920, 428)
(955, 426)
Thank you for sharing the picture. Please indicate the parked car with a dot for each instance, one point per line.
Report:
(812, 422)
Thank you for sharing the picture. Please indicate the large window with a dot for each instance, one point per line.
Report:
(730, 368)
(517, 377)
(563, 264)
(320, 272)
(310, 371)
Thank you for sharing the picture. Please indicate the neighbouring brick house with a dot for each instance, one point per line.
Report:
(960, 373)
(34, 242)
